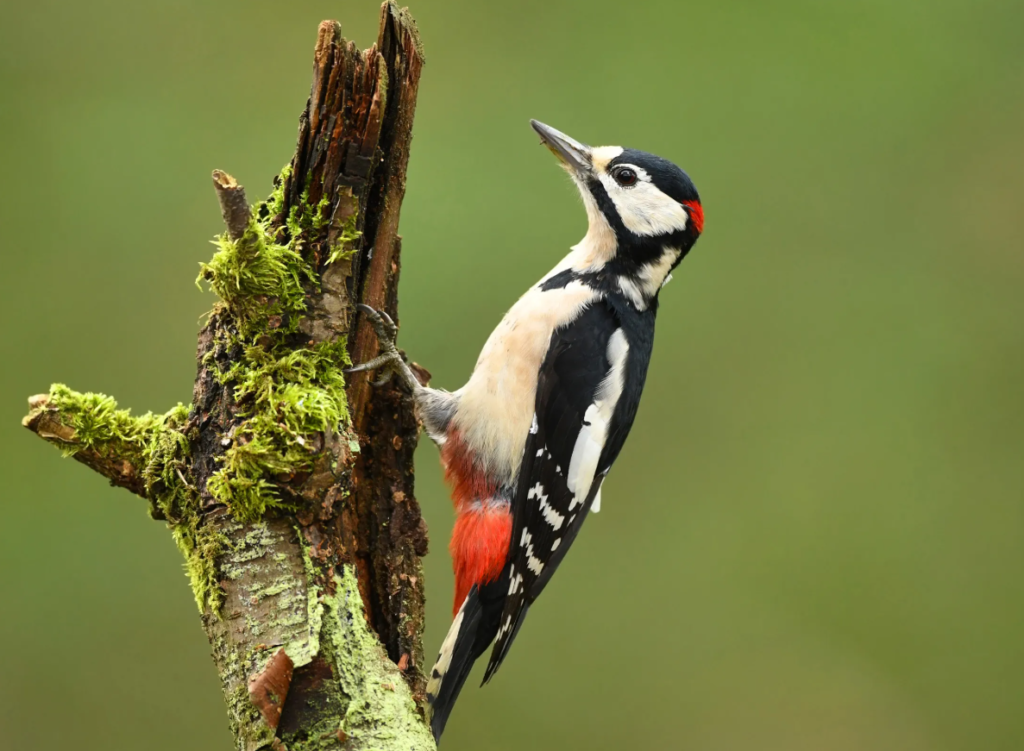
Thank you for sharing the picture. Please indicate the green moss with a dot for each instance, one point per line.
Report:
(156, 446)
(201, 545)
(286, 395)
(259, 278)
(101, 427)
(344, 248)
(303, 216)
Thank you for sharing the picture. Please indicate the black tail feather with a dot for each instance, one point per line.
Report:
(477, 623)
(446, 680)
(501, 646)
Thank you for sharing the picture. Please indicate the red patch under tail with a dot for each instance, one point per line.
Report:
(480, 539)
(479, 547)
(468, 481)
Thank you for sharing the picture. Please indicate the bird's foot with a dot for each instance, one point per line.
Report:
(390, 360)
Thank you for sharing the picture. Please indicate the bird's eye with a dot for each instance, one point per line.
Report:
(625, 177)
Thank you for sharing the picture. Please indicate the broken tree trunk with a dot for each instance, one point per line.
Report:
(288, 490)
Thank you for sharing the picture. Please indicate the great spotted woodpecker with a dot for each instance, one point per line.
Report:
(528, 441)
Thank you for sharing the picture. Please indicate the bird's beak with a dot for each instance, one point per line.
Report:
(573, 154)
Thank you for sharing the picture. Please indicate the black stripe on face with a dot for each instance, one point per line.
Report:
(634, 251)
(607, 207)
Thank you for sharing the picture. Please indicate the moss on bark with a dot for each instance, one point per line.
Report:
(285, 394)
(288, 491)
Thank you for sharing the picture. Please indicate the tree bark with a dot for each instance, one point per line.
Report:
(288, 490)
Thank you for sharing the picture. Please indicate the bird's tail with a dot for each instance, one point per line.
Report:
(454, 662)
(470, 634)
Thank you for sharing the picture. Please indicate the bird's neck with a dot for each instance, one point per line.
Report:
(617, 261)
(640, 280)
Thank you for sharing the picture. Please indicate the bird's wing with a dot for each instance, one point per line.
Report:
(581, 383)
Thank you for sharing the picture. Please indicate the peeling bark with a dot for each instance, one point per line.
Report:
(290, 493)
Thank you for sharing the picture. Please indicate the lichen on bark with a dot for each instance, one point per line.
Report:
(288, 489)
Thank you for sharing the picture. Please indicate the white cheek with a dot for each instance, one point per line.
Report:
(644, 209)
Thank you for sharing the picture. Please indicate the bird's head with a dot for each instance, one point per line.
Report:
(644, 212)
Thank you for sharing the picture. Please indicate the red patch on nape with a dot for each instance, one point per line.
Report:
(479, 547)
(696, 215)
(467, 480)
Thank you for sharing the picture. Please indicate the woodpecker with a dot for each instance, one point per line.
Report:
(530, 438)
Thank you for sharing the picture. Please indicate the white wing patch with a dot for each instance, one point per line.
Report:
(591, 439)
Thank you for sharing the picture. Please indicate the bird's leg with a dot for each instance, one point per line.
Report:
(390, 360)
(434, 407)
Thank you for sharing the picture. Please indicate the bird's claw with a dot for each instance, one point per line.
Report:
(390, 360)
(384, 327)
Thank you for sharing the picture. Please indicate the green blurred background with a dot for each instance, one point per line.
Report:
(814, 538)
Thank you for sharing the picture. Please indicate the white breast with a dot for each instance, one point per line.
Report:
(496, 405)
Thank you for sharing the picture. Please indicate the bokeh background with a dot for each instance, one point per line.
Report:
(814, 538)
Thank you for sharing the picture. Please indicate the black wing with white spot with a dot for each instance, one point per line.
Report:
(587, 395)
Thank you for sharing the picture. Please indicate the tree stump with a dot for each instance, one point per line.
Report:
(289, 490)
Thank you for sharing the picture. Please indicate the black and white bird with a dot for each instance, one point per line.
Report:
(528, 441)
